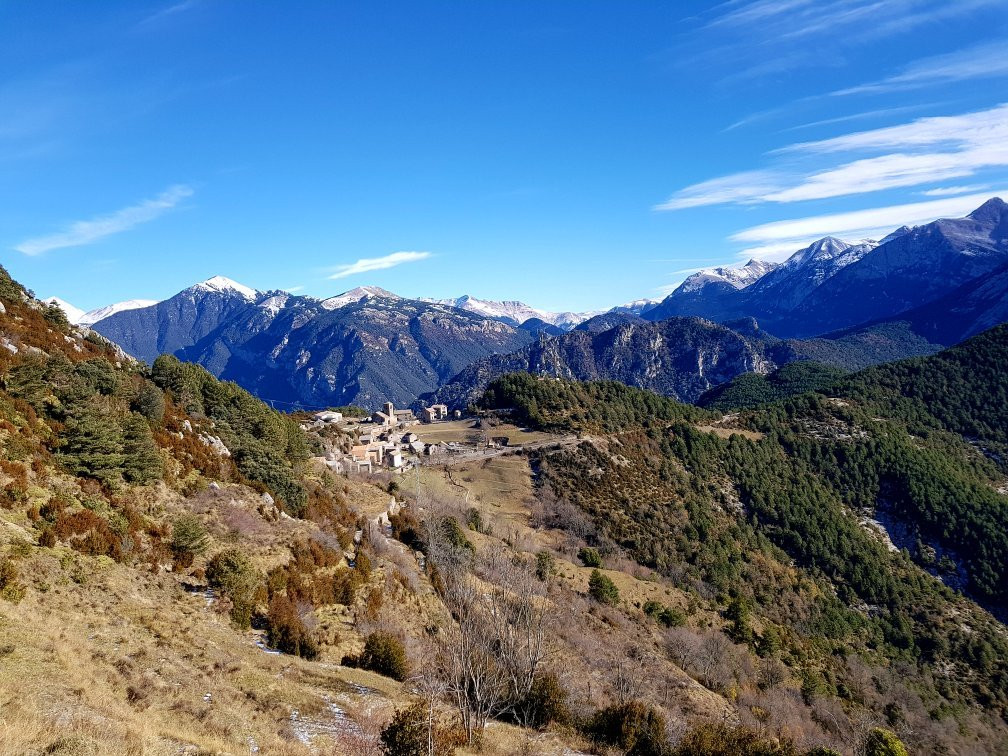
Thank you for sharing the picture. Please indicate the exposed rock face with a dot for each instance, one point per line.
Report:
(681, 357)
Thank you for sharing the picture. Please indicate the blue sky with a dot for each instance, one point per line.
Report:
(573, 155)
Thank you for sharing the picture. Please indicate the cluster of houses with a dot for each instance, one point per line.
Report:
(386, 441)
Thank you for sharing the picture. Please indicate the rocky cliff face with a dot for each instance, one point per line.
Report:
(680, 357)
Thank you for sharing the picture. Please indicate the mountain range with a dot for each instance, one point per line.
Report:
(840, 303)
(833, 284)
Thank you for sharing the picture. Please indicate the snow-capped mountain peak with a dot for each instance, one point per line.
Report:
(221, 285)
(356, 295)
(736, 277)
(638, 306)
(73, 314)
(103, 312)
(513, 312)
(827, 248)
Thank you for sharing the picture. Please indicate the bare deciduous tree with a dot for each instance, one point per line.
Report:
(491, 653)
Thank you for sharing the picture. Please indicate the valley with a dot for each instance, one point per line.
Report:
(190, 548)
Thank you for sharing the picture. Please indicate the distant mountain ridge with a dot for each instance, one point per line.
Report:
(364, 347)
(681, 357)
(833, 284)
(839, 303)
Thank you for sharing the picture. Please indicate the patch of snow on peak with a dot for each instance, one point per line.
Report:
(356, 295)
(637, 307)
(275, 303)
(513, 312)
(73, 314)
(221, 284)
(737, 277)
(834, 252)
(101, 313)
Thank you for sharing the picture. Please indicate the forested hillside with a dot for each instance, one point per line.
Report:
(726, 503)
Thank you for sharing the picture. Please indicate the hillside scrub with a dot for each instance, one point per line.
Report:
(728, 517)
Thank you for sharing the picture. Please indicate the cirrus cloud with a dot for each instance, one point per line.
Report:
(89, 231)
(368, 264)
(910, 154)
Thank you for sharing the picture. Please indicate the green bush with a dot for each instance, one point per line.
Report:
(407, 734)
(93, 446)
(546, 703)
(590, 557)
(545, 565)
(636, 728)
(142, 463)
(668, 616)
(719, 739)
(189, 539)
(883, 743)
(602, 589)
(231, 572)
(474, 520)
(383, 653)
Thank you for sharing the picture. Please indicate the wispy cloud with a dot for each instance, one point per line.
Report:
(90, 231)
(750, 40)
(948, 191)
(167, 11)
(976, 127)
(368, 264)
(920, 152)
(774, 239)
(863, 116)
(984, 61)
(774, 21)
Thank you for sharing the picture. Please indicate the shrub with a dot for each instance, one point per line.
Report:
(545, 565)
(362, 564)
(719, 739)
(232, 573)
(883, 743)
(286, 630)
(590, 557)
(383, 653)
(189, 539)
(407, 734)
(10, 589)
(546, 703)
(453, 534)
(602, 589)
(634, 727)
(738, 613)
(668, 616)
(47, 539)
(406, 529)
